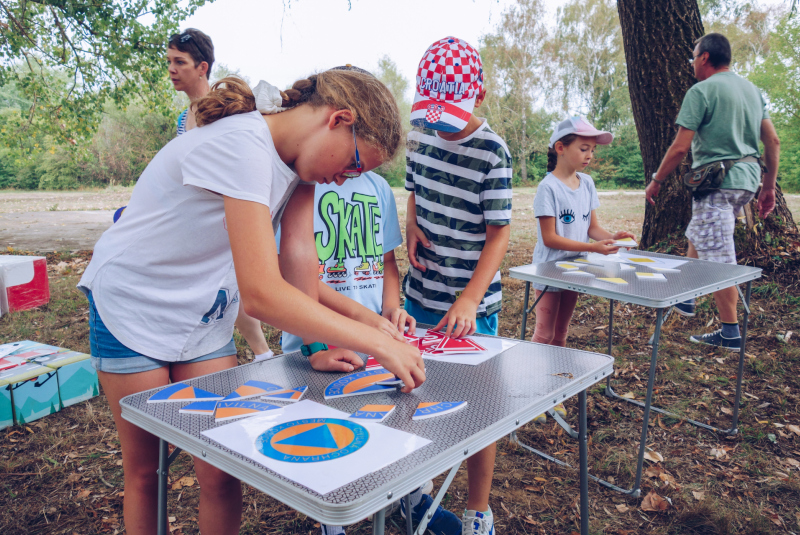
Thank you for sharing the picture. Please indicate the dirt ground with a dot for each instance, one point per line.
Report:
(63, 474)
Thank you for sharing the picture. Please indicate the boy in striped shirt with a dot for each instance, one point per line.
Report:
(457, 225)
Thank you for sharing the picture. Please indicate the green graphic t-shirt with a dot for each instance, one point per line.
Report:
(725, 112)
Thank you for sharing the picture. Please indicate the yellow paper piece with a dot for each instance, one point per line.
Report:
(626, 240)
(642, 260)
(566, 265)
(613, 280)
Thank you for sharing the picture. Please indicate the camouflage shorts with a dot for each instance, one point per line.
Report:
(713, 222)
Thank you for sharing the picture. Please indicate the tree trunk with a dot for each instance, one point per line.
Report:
(658, 36)
(523, 160)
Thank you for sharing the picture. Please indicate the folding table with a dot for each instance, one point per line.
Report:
(503, 394)
(695, 278)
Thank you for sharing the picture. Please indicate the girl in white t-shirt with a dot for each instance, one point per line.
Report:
(565, 209)
(166, 280)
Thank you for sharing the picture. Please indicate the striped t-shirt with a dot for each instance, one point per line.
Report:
(460, 187)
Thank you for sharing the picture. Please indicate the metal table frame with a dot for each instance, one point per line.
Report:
(386, 485)
(743, 275)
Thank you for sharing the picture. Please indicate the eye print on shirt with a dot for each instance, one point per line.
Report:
(586, 216)
(567, 216)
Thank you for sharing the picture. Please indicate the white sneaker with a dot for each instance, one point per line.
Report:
(475, 523)
(427, 488)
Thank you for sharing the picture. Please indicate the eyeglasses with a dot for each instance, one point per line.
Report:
(185, 37)
(691, 61)
(354, 173)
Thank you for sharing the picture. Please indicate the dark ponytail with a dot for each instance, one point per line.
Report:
(229, 96)
(552, 155)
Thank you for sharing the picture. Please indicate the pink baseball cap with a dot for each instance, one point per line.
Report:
(581, 127)
(449, 78)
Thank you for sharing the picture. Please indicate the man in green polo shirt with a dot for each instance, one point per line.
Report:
(722, 117)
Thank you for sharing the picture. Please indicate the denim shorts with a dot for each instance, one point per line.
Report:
(109, 355)
(485, 325)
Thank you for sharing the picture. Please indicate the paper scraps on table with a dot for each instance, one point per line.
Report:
(373, 413)
(651, 261)
(372, 363)
(650, 276)
(199, 407)
(569, 266)
(316, 446)
(665, 269)
(492, 347)
(252, 389)
(457, 345)
(411, 339)
(289, 394)
(613, 280)
(625, 242)
(360, 383)
(431, 409)
(230, 410)
(183, 392)
(579, 273)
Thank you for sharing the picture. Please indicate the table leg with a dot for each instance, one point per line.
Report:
(584, 463)
(164, 460)
(746, 302)
(610, 327)
(525, 310)
(648, 401)
(409, 517)
(163, 470)
(379, 522)
(423, 523)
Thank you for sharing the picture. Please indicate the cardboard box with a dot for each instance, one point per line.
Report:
(77, 378)
(23, 283)
(34, 391)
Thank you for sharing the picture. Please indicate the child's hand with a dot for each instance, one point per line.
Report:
(404, 361)
(400, 319)
(461, 319)
(335, 360)
(621, 235)
(385, 326)
(415, 236)
(604, 247)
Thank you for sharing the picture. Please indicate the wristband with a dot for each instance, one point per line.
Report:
(656, 180)
(314, 347)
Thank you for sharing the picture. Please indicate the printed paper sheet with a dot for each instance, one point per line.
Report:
(316, 446)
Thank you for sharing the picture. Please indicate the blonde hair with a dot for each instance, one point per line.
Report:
(377, 119)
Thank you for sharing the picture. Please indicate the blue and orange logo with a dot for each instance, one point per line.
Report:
(359, 383)
(312, 440)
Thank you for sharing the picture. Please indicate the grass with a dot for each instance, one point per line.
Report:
(52, 471)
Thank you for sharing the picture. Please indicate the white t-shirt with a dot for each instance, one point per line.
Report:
(162, 277)
(354, 225)
(571, 208)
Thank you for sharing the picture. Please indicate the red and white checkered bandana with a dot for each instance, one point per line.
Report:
(450, 71)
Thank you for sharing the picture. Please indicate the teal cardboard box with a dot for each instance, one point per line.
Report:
(77, 379)
(34, 391)
(6, 410)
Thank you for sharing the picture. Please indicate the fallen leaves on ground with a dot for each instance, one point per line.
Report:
(654, 502)
(699, 495)
(654, 456)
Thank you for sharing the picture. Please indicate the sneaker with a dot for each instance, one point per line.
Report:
(427, 488)
(716, 339)
(685, 309)
(541, 419)
(476, 523)
(560, 410)
(443, 522)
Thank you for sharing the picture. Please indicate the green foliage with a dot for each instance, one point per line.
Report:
(66, 59)
(394, 171)
(779, 77)
(123, 145)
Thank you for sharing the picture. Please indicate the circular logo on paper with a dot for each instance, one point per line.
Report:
(312, 440)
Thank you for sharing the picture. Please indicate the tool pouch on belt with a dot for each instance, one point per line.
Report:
(708, 178)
